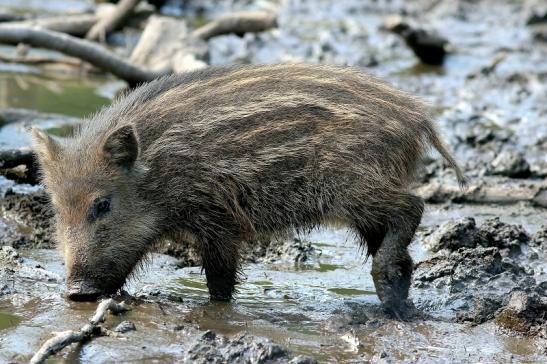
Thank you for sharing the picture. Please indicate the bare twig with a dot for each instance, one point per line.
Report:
(123, 10)
(65, 338)
(239, 23)
(80, 48)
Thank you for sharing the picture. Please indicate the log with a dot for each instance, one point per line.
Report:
(65, 338)
(80, 48)
(238, 23)
(105, 25)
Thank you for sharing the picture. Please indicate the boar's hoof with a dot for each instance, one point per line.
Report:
(81, 291)
(220, 297)
(402, 310)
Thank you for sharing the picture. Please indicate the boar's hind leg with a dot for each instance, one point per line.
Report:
(221, 264)
(391, 264)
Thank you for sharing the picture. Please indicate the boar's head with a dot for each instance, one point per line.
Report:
(103, 226)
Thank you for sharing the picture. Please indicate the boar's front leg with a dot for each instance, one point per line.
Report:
(220, 257)
(391, 264)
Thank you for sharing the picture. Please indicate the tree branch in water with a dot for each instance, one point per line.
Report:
(65, 338)
(80, 48)
(77, 25)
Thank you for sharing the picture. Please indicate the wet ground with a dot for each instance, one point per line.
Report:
(480, 283)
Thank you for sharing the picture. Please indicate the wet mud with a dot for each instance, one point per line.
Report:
(480, 283)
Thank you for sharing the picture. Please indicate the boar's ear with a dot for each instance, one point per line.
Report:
(45, 146)
(121, 147)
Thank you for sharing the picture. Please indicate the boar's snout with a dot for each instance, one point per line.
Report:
(83, 291)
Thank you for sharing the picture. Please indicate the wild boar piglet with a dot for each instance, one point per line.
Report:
(231, 155)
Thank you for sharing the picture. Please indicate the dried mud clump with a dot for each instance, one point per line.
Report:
(294, 250)
(467, 285)
(26, 220)
(475, 271)
(539, 240)
(212, 348)
(464, 233)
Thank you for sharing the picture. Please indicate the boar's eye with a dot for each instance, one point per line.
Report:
(100, 208)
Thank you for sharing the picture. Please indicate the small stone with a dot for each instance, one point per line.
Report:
(510, 164)
(518, 302)
(125, 326)
(524, 313)
(302, 359)
(208, 335)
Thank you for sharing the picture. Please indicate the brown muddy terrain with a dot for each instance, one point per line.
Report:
(480, 282)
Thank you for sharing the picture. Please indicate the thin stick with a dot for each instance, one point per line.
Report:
(80, 48)
(65, 338)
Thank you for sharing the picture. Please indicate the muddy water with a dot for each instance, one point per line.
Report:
(8, 320)
(61, 102)
(300, 306)
(71, 97)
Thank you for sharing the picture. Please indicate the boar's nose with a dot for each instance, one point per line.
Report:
(82, 291)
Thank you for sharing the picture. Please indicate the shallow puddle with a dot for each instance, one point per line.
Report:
(8, 320)
(63, 101)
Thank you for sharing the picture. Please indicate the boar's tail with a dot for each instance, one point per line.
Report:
(437, 143)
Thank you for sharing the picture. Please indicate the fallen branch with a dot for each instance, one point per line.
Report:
(80, 48)
(77, 25)
(492, 192)
(238, 23)
(65, 338)
(123, 10)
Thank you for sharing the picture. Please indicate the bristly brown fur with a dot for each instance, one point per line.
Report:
(230, 154)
